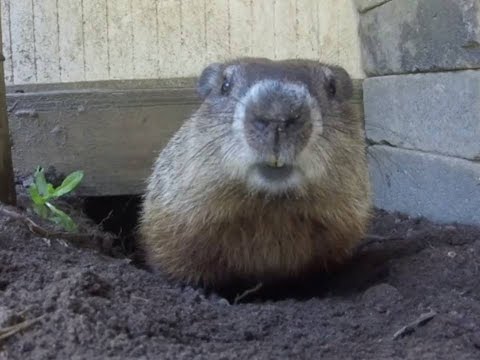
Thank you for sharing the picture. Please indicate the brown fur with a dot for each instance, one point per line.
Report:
(202, 227)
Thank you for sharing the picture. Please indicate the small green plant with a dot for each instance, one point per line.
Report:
(43, 193)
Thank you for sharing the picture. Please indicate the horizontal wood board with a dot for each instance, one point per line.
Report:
(113, 131)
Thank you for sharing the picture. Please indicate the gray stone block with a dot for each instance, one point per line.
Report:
(440, 188)
(421, 35)
(435, 112)
(365, 5)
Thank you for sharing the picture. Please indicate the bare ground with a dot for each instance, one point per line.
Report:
(411, 293)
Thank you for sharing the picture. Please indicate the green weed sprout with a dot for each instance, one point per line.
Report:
(43, 193)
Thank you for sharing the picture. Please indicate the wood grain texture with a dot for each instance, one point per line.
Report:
(145, 33)
(7, 44)
(263, 28)
(193, 39)
(169, 35)
(7, 189)
(241, 28)
(71, 40)
(46, 42)
(329, 32)
(307, 35)
(23, 41)
(120, 38)
(113, 136)
(217, 29)
(349, 53)
(77, 40)
(285, 29)
(113, 131)
(95, 39)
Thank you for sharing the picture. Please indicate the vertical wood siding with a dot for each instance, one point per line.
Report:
(22, 41)
(120, 39)
(95, 30)
(76, 40)
(46, 41)
(6, 40)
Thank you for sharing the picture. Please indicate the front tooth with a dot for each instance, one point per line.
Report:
(280, 162)
(273, 161)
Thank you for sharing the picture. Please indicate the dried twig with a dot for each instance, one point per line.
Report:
(13, 107)
(370, 239)
(40, 231)
(7, 332)
(100, 224)
(421, 320)
(247, 292)
(375, 237)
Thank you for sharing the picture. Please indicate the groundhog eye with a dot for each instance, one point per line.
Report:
(225, 86)
(332, 89)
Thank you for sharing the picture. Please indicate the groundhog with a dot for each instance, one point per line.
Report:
(266, 180)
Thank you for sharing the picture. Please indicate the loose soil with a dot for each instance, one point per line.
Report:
(92, 302)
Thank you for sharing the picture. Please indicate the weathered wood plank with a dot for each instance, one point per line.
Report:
(112, 136)
(111, 131)
(23, 41)
(170, 38)
(70, 35)
(307, 14)
(263, 21)
(120, 39)
(169, 35)
(7, 45)
(193, 40)
(328, 33)
(46, 41)
(217, 30)
(7, 189)
(145, 33)
(285, 29)
(349, 52)
(95, 39)
(241, 25)
(162, 83)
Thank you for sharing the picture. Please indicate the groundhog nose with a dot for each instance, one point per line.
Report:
(261, 123)
(293, 119)
(283, 123)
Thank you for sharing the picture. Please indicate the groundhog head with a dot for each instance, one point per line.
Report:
(271, 119)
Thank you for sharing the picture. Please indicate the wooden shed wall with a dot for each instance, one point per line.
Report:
(55, 41)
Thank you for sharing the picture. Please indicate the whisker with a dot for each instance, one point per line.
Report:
(343, 131)
(205, 153)
(239, 101)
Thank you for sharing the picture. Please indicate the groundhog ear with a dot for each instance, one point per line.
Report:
(338, 84)
(209, 79)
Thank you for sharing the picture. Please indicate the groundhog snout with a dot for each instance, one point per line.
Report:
(272, 134)
(290, 123)
(278, 124)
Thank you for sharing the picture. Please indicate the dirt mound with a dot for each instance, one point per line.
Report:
(89, 305)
